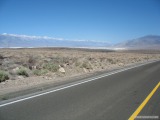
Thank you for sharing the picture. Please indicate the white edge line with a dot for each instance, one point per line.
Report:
(62, 88)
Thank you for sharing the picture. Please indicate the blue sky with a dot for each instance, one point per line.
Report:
(103, 20)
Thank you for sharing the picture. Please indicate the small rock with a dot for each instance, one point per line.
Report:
(85, 70)
(121, 64)
(67, 63)
(39, 67)
(64, 65)
(34, 67)
(15, 69)
(3, 83)
(62, 70)
(20, 77)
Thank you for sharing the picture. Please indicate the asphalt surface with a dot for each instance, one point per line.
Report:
(114, 97)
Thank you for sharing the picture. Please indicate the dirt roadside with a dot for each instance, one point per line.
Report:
(71, 65)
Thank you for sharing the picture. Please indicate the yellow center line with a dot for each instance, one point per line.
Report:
(138, 110)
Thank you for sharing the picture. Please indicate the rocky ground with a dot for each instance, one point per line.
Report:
(23, 68)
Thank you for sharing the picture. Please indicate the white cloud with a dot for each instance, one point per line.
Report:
(32, 37)
(27, 37)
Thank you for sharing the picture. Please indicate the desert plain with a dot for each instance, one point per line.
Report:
(25, 68)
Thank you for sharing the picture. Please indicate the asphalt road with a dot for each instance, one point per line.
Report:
(114, 97)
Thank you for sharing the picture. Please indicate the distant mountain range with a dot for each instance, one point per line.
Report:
(146, 42)
(13, 40)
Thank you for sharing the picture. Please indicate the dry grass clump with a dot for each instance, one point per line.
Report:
(51, 67)
(3, 76)
(22, 71)
(40, 72)
(86, 65)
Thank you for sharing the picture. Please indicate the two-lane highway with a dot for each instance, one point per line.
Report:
(113, 97)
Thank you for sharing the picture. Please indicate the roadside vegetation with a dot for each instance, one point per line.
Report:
(40, 72)
(51, 67)
(3, 76)
(23, 72)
